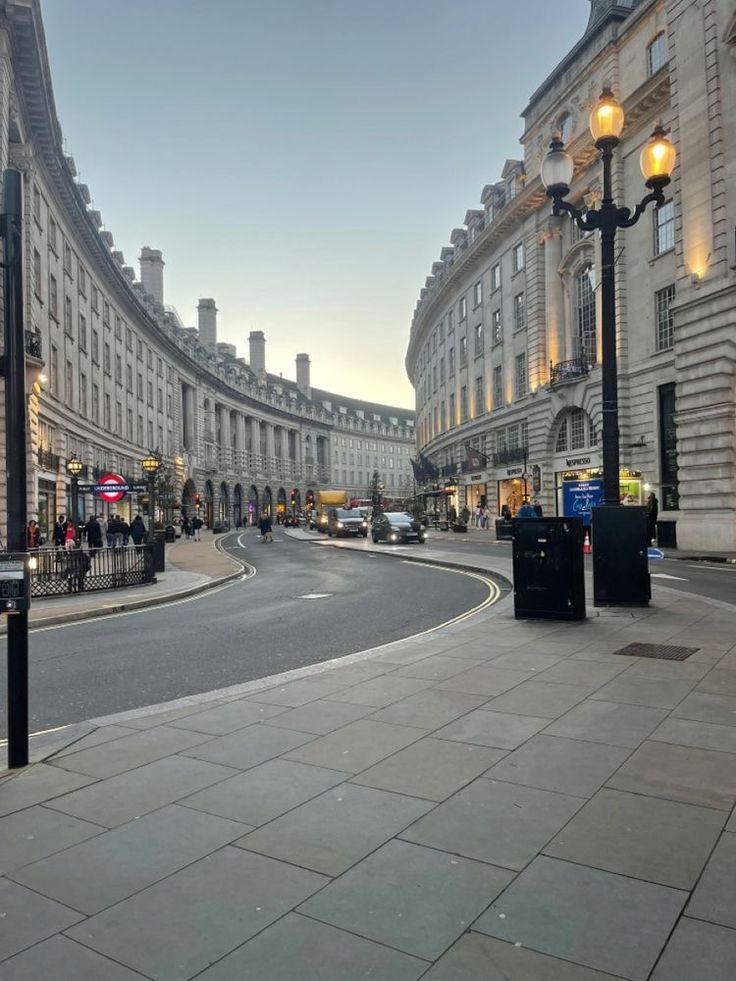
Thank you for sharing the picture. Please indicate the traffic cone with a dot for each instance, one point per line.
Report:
(587, 550)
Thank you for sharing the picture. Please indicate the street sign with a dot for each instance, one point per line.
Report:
(112, 487)
(655, 553)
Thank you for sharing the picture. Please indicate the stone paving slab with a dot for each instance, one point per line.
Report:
(698, 950)
(62, 959)
(608, 722)
(223, 719)
(248, 747)
(548, 701)
(29, 918)
(119, 755)
(37, 785)
(29, 835)
(499, 729)
(356, 746)
(715, 896)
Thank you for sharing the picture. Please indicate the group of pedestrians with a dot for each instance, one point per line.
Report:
(97, 532)
(192, 527)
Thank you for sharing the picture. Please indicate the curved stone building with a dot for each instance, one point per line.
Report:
(125, 376)
(504, 352)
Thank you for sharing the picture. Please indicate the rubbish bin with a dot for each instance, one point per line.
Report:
(620, 560)
(158, 550)
(460, 527)
(549, 579)
(170, 533)
(504, 530)
(667, 534)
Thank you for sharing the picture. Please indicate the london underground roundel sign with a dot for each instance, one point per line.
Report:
(112, 487)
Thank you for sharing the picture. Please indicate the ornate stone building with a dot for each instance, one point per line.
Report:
(504, 351)
(124, 376)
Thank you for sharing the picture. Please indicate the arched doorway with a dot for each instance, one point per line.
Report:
(209, 496)
(281, 502)
(223, 510)
(238, 505)
(268, 501)
(252, 505)
(188, 496)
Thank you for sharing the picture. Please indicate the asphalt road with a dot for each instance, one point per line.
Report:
(249, 629)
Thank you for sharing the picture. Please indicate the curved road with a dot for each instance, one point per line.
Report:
(303, 606)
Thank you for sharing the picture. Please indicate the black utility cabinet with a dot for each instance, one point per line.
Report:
(549, 582)
(620, 560)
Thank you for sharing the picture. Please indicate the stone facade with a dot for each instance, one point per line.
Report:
(124, 376)
(504, 351)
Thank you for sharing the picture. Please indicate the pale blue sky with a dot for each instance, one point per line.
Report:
(301, 161)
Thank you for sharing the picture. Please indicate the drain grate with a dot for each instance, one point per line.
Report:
(666, 652)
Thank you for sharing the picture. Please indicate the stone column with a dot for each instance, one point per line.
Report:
(553, 295)
(270, 444)
(255, 440)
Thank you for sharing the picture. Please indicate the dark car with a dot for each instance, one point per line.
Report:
(346, 521)
(397, 526)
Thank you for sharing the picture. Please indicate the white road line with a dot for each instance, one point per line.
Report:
(663, 575)
(713, 568)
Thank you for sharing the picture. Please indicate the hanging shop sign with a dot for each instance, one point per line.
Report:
(112, 487)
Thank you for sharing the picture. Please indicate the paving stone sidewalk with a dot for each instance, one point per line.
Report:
(496, 801)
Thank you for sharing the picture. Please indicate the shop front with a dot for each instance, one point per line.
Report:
(452, 492)
(579, 486)
(476, 492)
(514, 486)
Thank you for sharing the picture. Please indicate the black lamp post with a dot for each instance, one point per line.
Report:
(151, 466)
(657, 164)
(74, 468)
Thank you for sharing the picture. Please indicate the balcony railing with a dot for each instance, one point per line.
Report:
(565, 371)
(33, 345)
(517, 454)
(48, 460)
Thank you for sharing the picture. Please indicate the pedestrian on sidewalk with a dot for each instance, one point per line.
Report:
(60, 531)
(652, 513)
(69, 538)
(197, 528)
(266, 528)
(137, 530)
(33, 535)
(538, 508)
(526, 510)
(93, 532)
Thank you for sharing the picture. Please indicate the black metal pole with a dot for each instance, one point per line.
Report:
(75, 508)
(151, 507)
(609, 368)
(15, 456)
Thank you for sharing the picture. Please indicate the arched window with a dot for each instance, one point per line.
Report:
(657, 54)
(587, 342)
(564, 125)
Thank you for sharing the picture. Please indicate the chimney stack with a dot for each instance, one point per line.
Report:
(207, 323)
(152, 273)
(302, 374)
(257, 348)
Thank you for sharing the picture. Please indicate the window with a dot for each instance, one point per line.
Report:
(36, 204)
(139, 349)
(452, 419)
(664, 228)
(564, 127)
(479, 340)
(140, 386)
(54, 371)
(128, 339)
(83, 394)
(160, 368)
(496, 276)
(37, 273)
(442, 371)
(129, 377)
(108, 417)
(450, 321)
(477, 294)
(463, 351)
(68, 316)
(577, 429)
(150, 393)
(53, 298)
(82, 332)
(95, 299)
(657, 54)
(451, 362)
(498, 386)
(561, 444)
(140, 430)
(69, 395)
(442, 416)
(67, 259)
(106, 313)
(519, 312)
(95, 403)
(496, 327)
(149, 358)
(118, 329)
(82, 280)
(160, 400)
(95, 347)
(520, 375)
(106, 358)
(463, 404)
(585, 315)
(434, 378)
(129, 414)
(479, 401)
(52, 233)
(118, 369)
(663, 300)
(518, 255)
(463, 308)
(119, 418)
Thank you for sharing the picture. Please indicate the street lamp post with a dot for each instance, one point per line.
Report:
(151, 466)
(74, 468)
(657, 163)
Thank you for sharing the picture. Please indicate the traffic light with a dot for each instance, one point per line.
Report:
(294, 495)
(198, 500)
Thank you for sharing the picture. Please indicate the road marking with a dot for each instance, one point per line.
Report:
(41, 732)
(663, 575)
(313, 596)
(712, 568)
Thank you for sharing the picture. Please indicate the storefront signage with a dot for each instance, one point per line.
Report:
(477, 477)
(515, 472)
(577, 461)
(112, 488)
(579, 496)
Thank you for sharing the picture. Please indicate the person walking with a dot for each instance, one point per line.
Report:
(93, 533)
(137, 530)
(197, 528)
(266, 528)
(115, 532)
(526, 510)
(69, 538)
(652, 514)
(33, 535)
(60, 531)
(538, 508)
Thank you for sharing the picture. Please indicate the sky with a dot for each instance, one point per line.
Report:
(301, 161)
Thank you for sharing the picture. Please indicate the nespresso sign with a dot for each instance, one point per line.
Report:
(577, 461)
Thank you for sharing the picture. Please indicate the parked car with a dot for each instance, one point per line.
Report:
(397, 526)
(346, 521)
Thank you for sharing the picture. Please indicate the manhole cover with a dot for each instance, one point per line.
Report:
(665, 652)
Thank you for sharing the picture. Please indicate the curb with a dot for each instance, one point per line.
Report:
(142, 604)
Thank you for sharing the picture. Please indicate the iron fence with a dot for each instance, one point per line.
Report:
(59, 572)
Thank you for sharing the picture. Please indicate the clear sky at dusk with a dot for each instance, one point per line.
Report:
(301, 161)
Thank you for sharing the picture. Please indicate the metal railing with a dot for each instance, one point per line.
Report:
(517, 454)
(33, 345)
(59, 572)
(568, 370)
(48, 460)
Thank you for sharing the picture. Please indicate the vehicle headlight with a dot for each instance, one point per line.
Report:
(340, 524)
(393, 537)
(364, 524)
